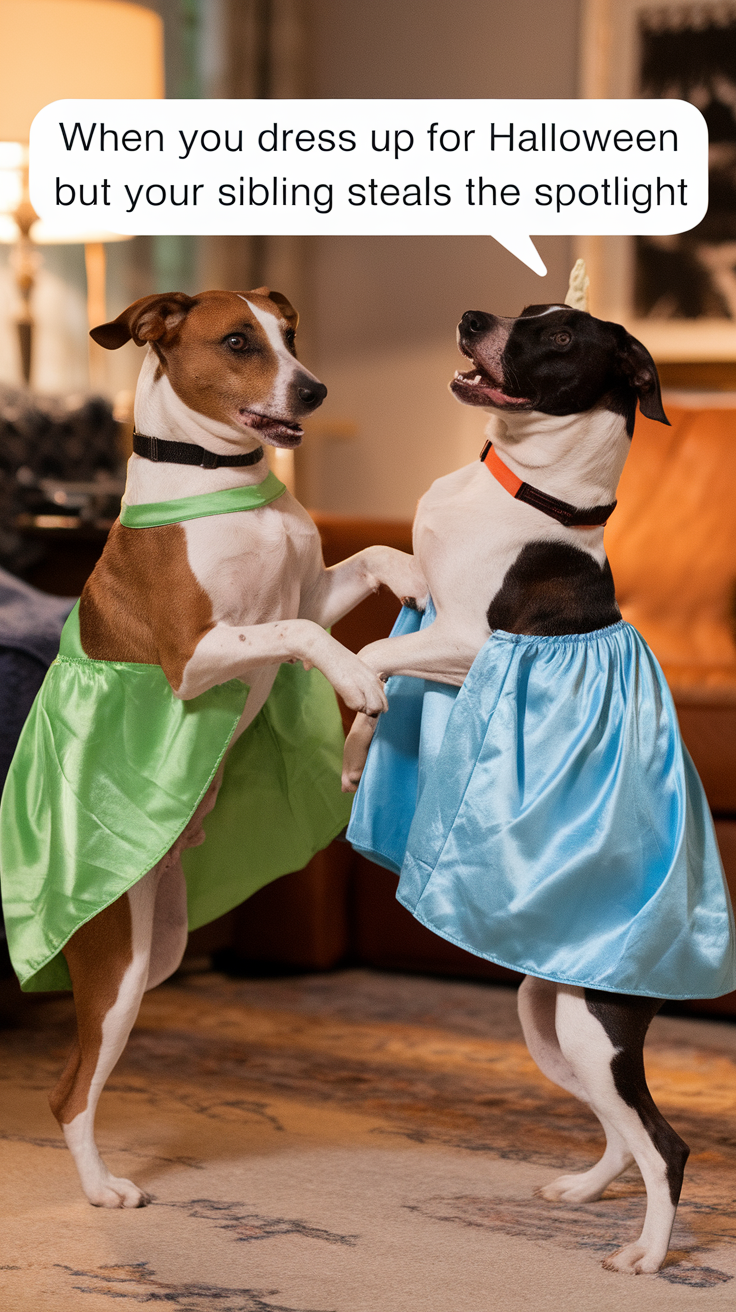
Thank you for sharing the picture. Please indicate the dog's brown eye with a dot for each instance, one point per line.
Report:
(562, 339)
(236, 342)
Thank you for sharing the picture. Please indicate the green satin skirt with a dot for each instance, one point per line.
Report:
(111, 766)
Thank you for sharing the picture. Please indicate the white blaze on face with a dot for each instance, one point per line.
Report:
(287, 365)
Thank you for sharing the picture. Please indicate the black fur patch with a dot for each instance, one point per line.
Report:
(626, 1020)
(567, 362)
(552, 588)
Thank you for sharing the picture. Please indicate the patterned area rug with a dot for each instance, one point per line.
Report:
(349, 1142)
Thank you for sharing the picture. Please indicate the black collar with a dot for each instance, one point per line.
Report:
(183, 453)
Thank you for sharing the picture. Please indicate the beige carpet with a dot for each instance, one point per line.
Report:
(351, 1142)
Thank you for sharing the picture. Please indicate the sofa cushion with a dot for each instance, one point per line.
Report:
(672, 543)
(672, 547)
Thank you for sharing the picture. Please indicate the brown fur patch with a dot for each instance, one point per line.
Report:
(142, 603)
(209, 377)
(98, 956)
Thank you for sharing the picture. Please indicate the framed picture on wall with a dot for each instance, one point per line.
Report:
(676, 293)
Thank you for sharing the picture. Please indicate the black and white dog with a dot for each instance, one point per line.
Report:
(563, 388)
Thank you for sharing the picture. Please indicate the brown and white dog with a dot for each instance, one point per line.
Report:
(229, 596)
(562, 388)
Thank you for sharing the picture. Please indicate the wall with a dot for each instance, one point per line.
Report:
(380, 313)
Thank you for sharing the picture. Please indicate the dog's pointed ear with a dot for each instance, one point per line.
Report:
(152, 319)
(641, 373)
(286, 308)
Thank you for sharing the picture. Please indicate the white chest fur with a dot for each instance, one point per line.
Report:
(254, 564)
(469, 530)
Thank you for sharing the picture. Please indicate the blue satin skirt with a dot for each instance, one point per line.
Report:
(547, 816)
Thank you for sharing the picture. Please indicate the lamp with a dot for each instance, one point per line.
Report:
(53, 50)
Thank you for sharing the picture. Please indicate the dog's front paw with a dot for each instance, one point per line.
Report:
(356, 751)
(360, 688)
(368, 696)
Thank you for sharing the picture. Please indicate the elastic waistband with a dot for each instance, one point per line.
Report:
(566, 639)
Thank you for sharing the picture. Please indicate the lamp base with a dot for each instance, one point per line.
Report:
(25, 343)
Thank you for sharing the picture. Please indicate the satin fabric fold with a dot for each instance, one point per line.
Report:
(111, 766)
(548, 817)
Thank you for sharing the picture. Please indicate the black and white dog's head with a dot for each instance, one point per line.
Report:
(558, 361)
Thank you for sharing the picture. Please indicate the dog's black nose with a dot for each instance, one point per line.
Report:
(313, 393)
(476, 321)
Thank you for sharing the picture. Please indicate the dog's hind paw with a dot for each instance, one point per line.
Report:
(635, 1260)
(117, 1192)
(571, 1189)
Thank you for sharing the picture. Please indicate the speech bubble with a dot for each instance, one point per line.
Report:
(506, 168)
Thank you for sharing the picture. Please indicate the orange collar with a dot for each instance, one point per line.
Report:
(562, 511)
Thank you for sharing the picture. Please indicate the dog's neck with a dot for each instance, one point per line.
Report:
(577, 458)
(159, 412)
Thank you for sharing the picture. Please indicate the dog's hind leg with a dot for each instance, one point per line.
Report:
(537, 1007)
(537, 1001)
(169, 929)
(109, 960)
(601, 1036)
(130, 947)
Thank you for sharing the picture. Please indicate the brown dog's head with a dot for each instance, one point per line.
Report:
(227, 355)
(557, 360)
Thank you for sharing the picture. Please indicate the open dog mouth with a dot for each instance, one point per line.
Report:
(476, 387)
(276, 432)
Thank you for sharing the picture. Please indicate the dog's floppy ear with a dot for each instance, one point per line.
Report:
(152, 319)
(641, 373)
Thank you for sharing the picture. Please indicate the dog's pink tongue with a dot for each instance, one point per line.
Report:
(500, 397)
(477, 385)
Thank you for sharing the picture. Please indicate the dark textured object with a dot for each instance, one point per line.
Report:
(30, 626)
(72, 438)
(21, 677)
(683, 54)
(692, 56)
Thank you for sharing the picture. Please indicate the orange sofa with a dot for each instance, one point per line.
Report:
(672, 547)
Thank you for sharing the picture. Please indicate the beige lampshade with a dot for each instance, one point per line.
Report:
(54, 49)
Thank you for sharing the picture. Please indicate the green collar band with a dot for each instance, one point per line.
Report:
(155, 513)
